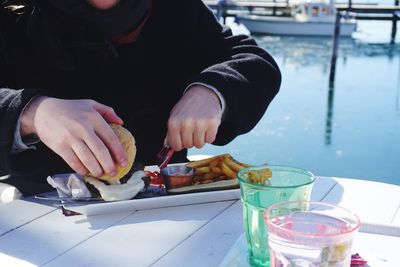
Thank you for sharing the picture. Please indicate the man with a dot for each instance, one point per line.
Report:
(167, 70)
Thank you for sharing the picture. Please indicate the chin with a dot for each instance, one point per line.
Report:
(103, 4)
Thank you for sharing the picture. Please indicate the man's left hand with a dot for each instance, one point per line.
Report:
(195, 119)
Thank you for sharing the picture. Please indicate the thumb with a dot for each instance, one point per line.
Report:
(108, 113)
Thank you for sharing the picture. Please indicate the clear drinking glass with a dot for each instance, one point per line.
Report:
(308, 234)
(285, 184)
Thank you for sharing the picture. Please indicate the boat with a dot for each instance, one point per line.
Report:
(308, 18)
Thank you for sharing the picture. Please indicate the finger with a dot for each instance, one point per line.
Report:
(187, 136)
(110, 139)
(199, 138)
(173, 136)
(101, 153)
(108, 113)
(86, 156)
(73, 161)
(187, 132)
(211, 134)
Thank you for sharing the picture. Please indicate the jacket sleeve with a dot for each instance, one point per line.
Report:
(245, 74)
(12, 103)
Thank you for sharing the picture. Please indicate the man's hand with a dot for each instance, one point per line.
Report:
(78, 131)
(195, 119)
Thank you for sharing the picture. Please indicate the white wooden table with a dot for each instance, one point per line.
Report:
(35, 234)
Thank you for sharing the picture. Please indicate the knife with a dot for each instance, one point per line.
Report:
(69, 199)
(164, 156)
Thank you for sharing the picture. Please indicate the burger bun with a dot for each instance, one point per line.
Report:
(128, 142)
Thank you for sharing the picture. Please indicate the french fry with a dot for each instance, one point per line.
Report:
(233, 165)
(266, 173)
(210, 175)
(225, 157)
(245, 164)
(217, 170)
(204, 162)
(199, 163)
(227, 171)
(259, 176)
(202, 170)
(215, 162)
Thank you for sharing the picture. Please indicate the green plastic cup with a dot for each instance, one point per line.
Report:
(286, 184)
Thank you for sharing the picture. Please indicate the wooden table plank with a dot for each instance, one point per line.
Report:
(48, 236)
(208, 246)
(396, 217)
(374, 202)
(141, 238)
(20, 212)
(378, 250)
(321, 188)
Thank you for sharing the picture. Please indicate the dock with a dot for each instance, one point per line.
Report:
(282, 7)
(360, 11)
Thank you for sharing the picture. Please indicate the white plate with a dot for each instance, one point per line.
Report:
(186, 198)
(155, 202)
(224, 184)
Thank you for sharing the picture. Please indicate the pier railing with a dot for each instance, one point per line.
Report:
(375, 10)
(366, 13)
(361, 11)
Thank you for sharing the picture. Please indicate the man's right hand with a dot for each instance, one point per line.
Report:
(78, 131)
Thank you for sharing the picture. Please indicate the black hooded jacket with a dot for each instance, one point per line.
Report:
(46, 52)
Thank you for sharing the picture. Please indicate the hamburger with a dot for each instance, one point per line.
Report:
(128, 142)
(110, 188)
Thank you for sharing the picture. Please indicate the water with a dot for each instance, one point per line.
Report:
(302, 251)
(354, 132)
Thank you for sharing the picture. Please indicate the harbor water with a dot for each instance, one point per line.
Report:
(352, 131)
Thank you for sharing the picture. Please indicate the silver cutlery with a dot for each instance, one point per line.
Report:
(69, 199)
